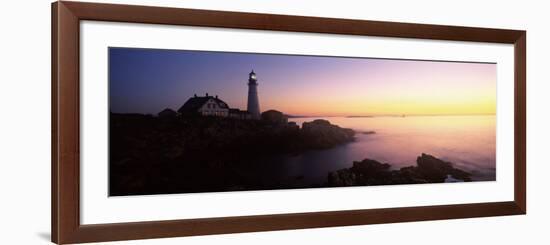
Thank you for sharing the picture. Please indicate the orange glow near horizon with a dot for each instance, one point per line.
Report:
(428, 93)
(301, 85)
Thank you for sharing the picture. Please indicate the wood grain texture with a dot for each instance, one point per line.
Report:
(54, 139)
(192, 227)
(520, 161)
(209, 18)
(67, 118)
(66, 17)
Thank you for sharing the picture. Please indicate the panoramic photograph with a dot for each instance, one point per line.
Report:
(184, 121)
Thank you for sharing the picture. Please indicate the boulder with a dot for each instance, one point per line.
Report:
(274, 116)
(322, 134)
(370, 167)
(436, 170)
(429, 169)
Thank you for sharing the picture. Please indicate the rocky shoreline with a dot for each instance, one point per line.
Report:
(428, 169)
(163, 155)
(179, 134)
(153, 155)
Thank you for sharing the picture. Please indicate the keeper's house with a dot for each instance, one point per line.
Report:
(211, 106)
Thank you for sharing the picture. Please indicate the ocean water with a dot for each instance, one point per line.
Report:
(469, 142)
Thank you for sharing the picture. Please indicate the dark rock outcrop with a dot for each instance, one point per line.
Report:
(153, 155)
(322, 134)
(429, 169)
(435, 170)
(366, 172)
(273, 116)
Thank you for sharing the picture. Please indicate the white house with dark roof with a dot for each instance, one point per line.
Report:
(205, 106)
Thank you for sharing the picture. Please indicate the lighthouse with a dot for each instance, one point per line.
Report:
(253, 102)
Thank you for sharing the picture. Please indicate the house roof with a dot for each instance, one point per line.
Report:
(194, 103)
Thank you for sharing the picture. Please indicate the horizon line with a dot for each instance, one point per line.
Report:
(395, 115)
(350, 116)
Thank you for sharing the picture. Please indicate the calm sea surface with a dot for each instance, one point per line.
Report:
(466, 141)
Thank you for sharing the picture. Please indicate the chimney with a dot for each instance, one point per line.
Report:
(216, 96)
(195, 95)
(206, 94)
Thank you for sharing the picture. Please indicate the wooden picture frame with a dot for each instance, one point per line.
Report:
(66, 225)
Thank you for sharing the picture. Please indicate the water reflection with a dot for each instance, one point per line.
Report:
(467, 141)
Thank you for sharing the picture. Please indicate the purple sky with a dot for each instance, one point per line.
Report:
(149, 80)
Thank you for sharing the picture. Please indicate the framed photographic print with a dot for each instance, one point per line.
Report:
(176, 122)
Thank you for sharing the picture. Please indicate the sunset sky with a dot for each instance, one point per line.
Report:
(149, 80)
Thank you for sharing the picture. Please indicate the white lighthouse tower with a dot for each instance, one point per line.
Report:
(253, 102)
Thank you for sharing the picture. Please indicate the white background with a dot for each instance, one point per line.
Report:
(25, 125)
(97, 207)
